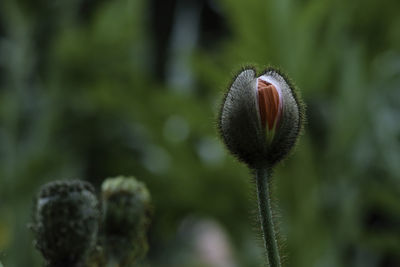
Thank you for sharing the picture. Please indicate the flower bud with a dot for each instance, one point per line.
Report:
(127, 209)
(66, 222)
(261, 117)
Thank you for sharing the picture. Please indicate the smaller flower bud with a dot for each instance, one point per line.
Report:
(261, 117)
(66, 222)
(127, 209)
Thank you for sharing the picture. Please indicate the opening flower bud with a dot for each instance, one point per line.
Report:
(269, 105)
(261, 117)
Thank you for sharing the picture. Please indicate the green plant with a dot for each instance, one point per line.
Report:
(66, 222)
(70, 230)
(126, 216)
(260, 121)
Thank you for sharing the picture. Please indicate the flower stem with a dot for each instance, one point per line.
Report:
(265, 214)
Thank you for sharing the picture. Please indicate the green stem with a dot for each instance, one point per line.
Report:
(265, 214)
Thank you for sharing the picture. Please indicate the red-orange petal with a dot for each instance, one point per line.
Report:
(268, 103)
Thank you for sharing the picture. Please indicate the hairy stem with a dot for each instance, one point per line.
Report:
(265, 214)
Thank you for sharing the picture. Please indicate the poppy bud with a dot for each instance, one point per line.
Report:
(261, 117)
(66, 222)
(127, 209)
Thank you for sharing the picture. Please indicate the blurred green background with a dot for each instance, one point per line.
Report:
(95, 88)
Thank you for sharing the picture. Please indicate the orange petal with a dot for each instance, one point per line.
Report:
(268, 103)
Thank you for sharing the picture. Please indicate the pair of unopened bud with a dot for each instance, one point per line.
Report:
(73, 229)
(261, 117)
